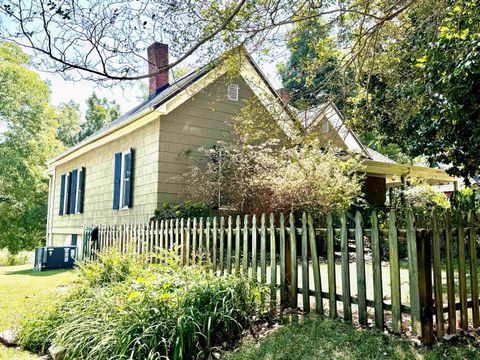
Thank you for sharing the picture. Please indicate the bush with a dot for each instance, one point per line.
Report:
(9, 259)
(188, 209)
(249, 179)
(145, 312)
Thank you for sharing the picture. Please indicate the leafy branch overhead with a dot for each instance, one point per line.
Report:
(107, 39)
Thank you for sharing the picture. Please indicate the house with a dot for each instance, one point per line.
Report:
(119, 174)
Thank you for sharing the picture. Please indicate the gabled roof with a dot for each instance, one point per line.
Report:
(173, 92)
(310, 118)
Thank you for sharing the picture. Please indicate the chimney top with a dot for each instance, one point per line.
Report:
(157, 54)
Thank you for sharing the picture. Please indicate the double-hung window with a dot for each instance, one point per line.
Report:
(123, 180)
(72, 190)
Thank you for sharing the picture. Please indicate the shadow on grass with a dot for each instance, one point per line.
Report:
(30, 272)
(333, 339)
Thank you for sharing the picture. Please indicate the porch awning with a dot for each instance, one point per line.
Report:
(393, 172)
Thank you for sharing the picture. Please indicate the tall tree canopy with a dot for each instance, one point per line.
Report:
(68, 119)
(100, 111)
(312, 74)
(29, 140)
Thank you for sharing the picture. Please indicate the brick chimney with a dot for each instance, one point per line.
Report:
(157, 58)
(284, 95)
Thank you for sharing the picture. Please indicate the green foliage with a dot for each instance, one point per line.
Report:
(187, 209)
(99, 113)
(29, 140)
(9, 259)
(68, 119)
(250, 179)
(145, 312)
(313, 74)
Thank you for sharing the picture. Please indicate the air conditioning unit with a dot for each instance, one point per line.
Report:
(54, 257)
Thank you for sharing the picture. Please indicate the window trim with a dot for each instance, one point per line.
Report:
(121, 205)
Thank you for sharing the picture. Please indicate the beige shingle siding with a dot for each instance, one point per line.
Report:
(99, 164)
(159, 146)
(201, 121)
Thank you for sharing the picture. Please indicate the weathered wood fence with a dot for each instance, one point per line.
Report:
(299, 263)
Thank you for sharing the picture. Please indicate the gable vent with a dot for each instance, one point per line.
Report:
(232, 92)
(325, 127)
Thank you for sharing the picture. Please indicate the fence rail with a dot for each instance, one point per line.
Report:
(298, 262)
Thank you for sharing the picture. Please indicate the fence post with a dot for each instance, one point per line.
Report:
(273, 264)
(424, 256)
(415, 316)
(377, 272)
(452, 311)
(394, 273)
(473, 269)
(360, 262)
(437, 276)
(332, 287)
(347, 304)
(315, 266)
(292, 294)
(462, 276)
(305, 275)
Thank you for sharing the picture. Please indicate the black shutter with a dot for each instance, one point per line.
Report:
(68, 184)
(116, 180)
(81, 189)
(73, 191)
(62, 195)
(128, 179)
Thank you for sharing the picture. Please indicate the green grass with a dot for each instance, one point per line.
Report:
(24, 292)
(333, 339)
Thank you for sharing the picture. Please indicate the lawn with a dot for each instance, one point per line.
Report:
(23, 292)
(334, 339)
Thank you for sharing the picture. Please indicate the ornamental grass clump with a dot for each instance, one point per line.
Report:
(145, 312)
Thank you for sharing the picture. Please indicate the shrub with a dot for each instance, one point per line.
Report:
(187, 209)
(269, 178)
(9, 259)
(145, 312)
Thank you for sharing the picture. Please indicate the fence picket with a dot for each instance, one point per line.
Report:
(283, 287)
(273, 264)
(305, 275)
(200, 241)
(473, 269)
(207, 240)
(437, 276)
(394, 273)
(360, 262)
(215, 244)
(415, 314)
(462, 276)
(222, 244)
(317, 281)
(332, 285)
(452, 312)
(245, 245)
(346, 297)
(293, 263)
(425, 286)
(263, 251)
(182, 241)
(377, 272)
(177, 237)
(229, 245)
(237, 244)
(254, 248)
(194, 241)
(188, 254)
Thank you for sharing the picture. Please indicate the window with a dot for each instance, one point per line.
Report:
(123, 178)
(232, 92)
(72, 189)
(325, 127)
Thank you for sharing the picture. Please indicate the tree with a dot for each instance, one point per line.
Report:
(107, 39)
(29, 140)
(99, 113)
(313, 73)
(68, 119)
(422, 93)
